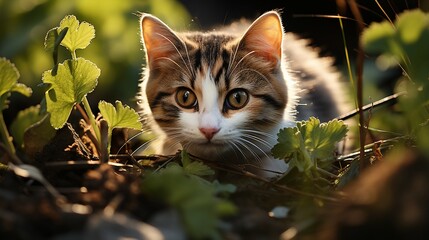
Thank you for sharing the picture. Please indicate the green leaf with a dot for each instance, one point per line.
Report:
(23, 120)
(184, 157)
(324, 136)
(22, 89)
(288, 142)
(8, 75)
(377, 37)
(53, 40)
(119, 116)
(195, 167)
(405, 41)
(78, 36)
(38, 135)
(405, 44)
(199, 207)
(308, 143)
(50, 39)
(411, 25)
(223, 188)
(74, 79)
(9, 82)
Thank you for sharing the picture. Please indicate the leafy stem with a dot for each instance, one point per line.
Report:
(5, 135)
(73, 53)
(308, 162)
(91, 117)
(73, 79)
(87, 107)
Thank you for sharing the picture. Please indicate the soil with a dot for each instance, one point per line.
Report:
(105, 201)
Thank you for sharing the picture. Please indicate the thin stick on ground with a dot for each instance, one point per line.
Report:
(384, 101)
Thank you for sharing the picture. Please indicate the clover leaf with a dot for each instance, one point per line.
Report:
(73, 80)
(119, 116)
(309, 143)
(79, 35)
(288, 143)
(323, 137)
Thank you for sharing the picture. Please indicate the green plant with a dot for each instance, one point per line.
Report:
(196, 199)
(404, 43)
(68, 83)
(118, 116)
(9, 83)
(309, 148)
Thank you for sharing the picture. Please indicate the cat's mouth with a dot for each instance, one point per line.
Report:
(207, 149)
(210, 143)
(204, 144)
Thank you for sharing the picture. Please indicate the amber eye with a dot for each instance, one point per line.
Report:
(236, 99)
(186, 98)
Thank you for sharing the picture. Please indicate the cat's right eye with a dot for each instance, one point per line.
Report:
(186, 98)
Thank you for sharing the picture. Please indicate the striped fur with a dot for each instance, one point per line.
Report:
(213, 65)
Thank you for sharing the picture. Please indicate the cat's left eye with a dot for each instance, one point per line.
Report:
(186, 98)
(236, 99)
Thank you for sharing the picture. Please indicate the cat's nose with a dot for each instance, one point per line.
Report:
(209, 132)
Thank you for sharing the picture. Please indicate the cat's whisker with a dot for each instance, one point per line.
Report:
(241, 60)
(257, 135)
(173, 131)
(129, 140)
(177, 50)
(231, 61)
(143, 146)
(218, 154)
(171, 127)
(146, 144)
(186, 145)
(257, 139)
(174, 140)
(259, 73)
(255, 147)
(189, 61)
(238, 148)
(178, 65)
(233, 149)
(264, 134)
(255, 156)
(274, 120)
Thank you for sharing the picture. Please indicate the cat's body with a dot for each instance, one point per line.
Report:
(224, 95)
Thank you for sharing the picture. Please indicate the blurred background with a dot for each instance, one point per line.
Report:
(117, 50)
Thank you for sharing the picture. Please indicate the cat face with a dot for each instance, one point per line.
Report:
(215, 92)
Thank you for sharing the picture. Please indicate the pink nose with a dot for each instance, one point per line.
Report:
(209, 132)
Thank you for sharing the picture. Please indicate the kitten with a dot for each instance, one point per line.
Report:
(224, 95)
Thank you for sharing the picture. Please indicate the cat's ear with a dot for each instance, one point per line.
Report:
(265, 37)
(158, 39)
